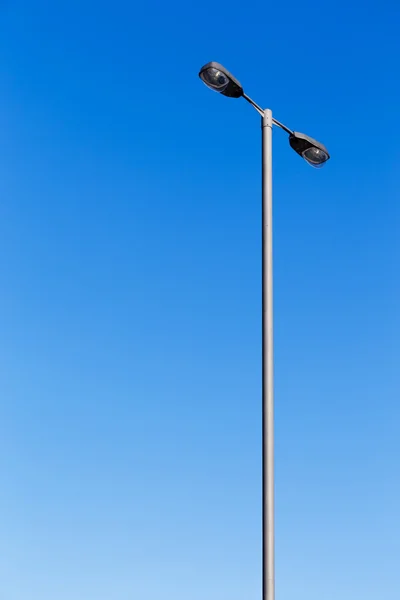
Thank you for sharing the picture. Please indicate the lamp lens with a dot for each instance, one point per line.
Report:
(315, 156)
(215, 79)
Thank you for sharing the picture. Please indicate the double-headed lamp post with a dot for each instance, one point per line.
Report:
(217, 78)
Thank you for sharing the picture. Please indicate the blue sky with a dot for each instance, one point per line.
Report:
(130, 301)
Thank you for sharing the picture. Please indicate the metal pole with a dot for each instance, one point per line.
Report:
(268, 537)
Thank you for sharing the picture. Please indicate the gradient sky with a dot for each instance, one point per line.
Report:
(130, 301)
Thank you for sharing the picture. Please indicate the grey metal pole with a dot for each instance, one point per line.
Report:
(268, 536)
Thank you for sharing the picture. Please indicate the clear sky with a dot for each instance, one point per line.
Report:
(130, 301)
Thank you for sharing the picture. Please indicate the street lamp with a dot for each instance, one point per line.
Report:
(217, 78)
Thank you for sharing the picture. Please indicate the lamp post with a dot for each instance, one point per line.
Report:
(217, 78)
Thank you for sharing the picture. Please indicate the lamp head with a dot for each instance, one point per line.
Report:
(217, 78)
(312, 151)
